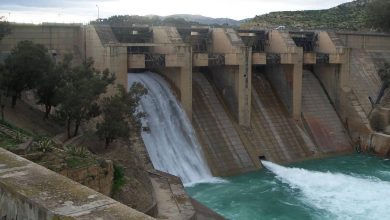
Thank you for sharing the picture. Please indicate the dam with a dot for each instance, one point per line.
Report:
(233, 97)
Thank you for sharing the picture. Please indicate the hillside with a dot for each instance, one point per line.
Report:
(207, 20)
(347, 16)
(178, 20)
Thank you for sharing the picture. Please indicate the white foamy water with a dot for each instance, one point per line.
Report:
(384, 172)
(342, 196)
(171, 142)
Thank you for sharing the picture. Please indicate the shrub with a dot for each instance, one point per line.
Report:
(119, 178)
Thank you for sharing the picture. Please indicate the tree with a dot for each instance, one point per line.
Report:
(48, 89)
(4, 28)
(120, 115)
(378, 14)
(80, 93)
(24, 68)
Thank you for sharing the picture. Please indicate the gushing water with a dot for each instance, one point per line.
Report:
(341, 196)
(171, 141)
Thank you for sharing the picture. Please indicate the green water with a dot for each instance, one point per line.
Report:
(343, 187)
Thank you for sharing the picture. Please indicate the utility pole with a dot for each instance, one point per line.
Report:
(98, 11)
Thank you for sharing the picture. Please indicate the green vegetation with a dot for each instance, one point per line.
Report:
(80, 151)
(17, 129)
(80, 94)
(8, 142)
(378, 12)
(348, 16)
(24, 68)
(129, 20)
(47, 153)
(78, 161)
(48, 90)
(45, 145)
(120, 116)
(57, 157)
(119, 178)
(75, 90)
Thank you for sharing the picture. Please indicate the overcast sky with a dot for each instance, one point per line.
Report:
(82, 11)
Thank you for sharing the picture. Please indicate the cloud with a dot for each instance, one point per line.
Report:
(48, 3)
(86, 10)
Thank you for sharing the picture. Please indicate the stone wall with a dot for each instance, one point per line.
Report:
(96, 177)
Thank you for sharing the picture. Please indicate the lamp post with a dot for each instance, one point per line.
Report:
(98, 10)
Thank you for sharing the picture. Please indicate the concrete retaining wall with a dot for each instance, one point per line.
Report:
(30, 191)
(59, 38)
(369, 41)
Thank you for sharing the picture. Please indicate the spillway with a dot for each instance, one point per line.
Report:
(171, 141)
(274, 134)
(224, 149)
(321, 118)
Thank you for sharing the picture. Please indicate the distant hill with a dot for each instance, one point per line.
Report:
(207, 20)
(347, 16)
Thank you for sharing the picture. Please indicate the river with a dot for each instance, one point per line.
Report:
(343, 187)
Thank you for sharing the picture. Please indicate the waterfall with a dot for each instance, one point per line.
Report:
(344, 196)
(171, 141)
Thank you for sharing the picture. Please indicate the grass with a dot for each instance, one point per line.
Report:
(54, 155)
(78, 156)
(74, 162)
(8, 142)
(22, 131)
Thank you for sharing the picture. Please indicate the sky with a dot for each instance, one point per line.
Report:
(83, 11)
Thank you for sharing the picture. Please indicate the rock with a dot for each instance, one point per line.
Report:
(23, 148)
(387, 130)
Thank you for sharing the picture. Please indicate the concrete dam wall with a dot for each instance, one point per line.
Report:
(249, 94)
(365, 80)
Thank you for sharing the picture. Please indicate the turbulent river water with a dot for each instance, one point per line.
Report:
(343, 187)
